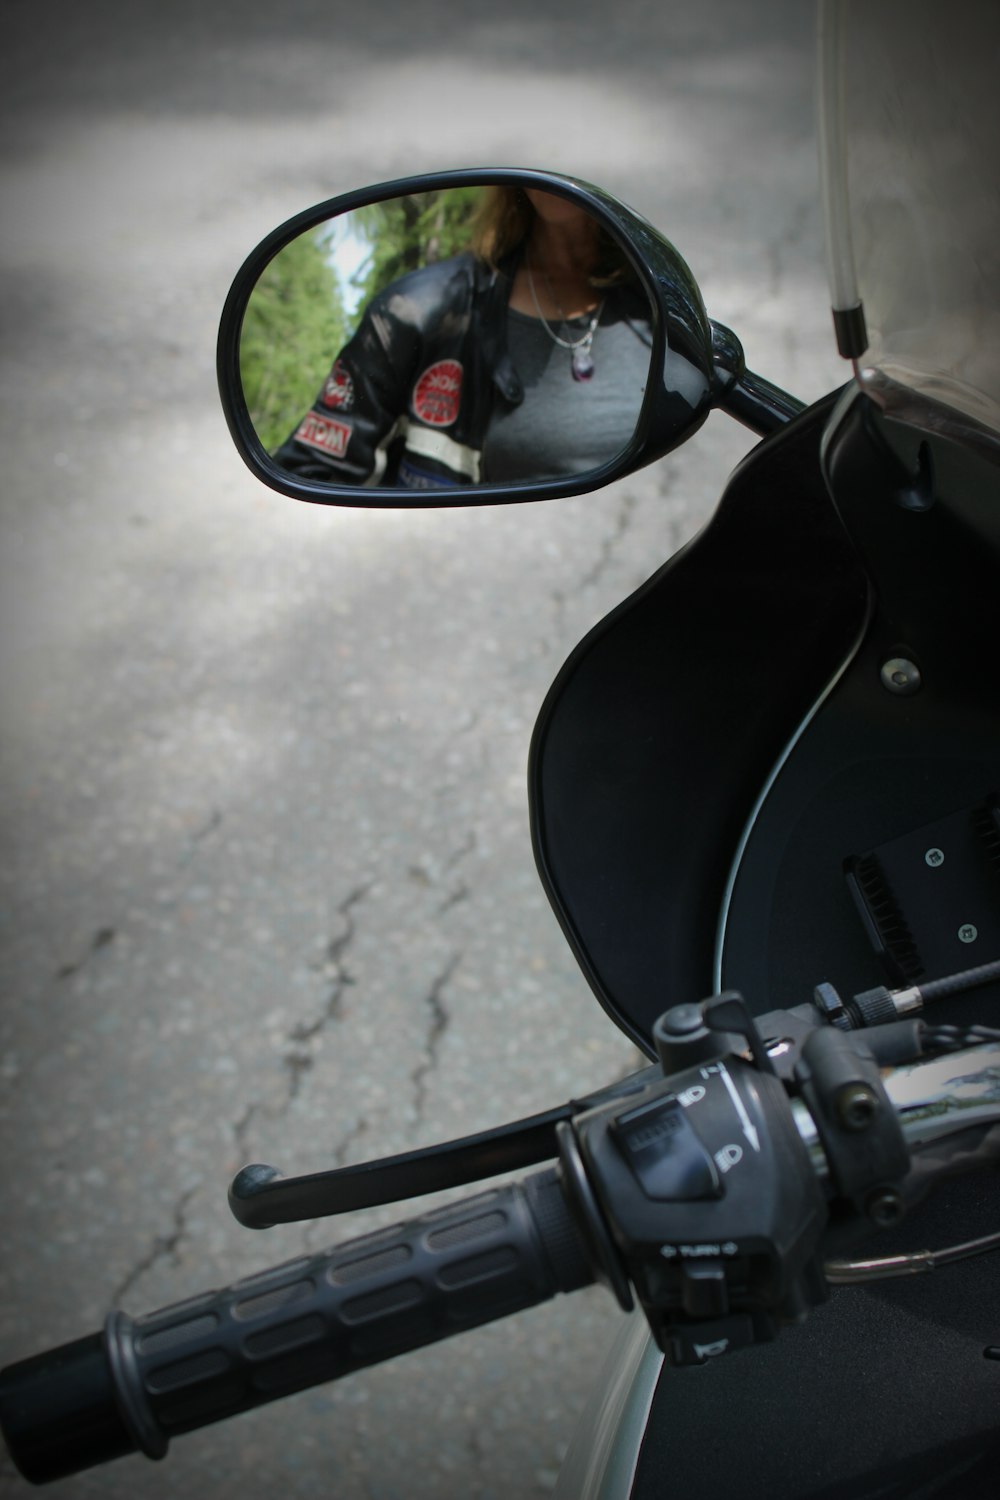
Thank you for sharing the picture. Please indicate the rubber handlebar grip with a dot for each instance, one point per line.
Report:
(313, 1319)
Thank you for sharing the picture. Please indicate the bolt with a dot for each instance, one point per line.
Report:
(683, 1018)
(901, 676)
(884, 1207)
(857, 1106)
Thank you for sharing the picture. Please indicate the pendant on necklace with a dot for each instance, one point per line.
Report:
(581, 363)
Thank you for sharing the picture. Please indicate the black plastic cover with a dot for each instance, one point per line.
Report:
(58, 1412)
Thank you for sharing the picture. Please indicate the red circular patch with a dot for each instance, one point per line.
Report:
(436, 394)
(338, 392)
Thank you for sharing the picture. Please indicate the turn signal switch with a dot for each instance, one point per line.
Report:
(699, 1190)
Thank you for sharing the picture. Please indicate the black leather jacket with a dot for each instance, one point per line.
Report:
(408, 399)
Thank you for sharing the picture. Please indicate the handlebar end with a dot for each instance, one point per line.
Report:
(58, 1412)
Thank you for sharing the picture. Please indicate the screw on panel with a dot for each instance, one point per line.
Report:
(901, 676)
(884, 1207)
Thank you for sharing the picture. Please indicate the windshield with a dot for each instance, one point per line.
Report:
(909, 139)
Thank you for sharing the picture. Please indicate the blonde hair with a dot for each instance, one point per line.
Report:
(502, 222)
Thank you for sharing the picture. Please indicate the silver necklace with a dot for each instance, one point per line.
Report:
(581, 359)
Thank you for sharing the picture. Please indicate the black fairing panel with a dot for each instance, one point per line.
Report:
(862, 1402)
(680, 774)
(874, 768)
(665, 723)
(892, 1392)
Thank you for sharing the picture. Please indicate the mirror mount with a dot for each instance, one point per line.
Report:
(740, 393)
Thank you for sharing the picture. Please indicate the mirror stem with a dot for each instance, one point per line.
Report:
(749, 398)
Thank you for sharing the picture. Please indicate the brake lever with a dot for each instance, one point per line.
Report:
(260, 1197)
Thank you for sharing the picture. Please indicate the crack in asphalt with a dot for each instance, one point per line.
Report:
(102, 938)
(610, 543)
(355, 1134)
(298, 1060)
(199, 836)
(463, 851)
(241, 1129)
(105, 936)
(426, 879)
(438, 1024)
(163, 1245)
(606, 551)
(335, 967)
(459, 894)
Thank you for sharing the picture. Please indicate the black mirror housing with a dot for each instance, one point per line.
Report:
(679, 389)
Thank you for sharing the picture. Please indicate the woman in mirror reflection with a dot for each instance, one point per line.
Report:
(523, 357)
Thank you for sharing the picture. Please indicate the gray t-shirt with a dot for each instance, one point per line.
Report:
(567, 426)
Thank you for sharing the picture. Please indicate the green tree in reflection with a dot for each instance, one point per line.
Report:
(297, 320)
(414, 230)
(294, 325)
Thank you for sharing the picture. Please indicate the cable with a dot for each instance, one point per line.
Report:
(938, 989)
(956, 1038)
(852, 1272)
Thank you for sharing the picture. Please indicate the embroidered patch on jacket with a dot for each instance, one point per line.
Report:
(436, 394)
(338, 391)
(324, 433)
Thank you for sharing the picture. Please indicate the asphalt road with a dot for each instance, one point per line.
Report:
(267, 888)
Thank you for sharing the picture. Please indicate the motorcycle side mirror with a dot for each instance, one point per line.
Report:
(465, 337)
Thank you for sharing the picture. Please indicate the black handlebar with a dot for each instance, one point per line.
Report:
(711, 1191)
(313, 1319)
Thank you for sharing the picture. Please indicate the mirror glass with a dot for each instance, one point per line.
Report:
(466, 336)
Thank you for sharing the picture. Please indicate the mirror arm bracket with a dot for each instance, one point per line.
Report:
(752, 400)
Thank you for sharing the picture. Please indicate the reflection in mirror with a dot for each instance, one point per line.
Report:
(473, 335)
